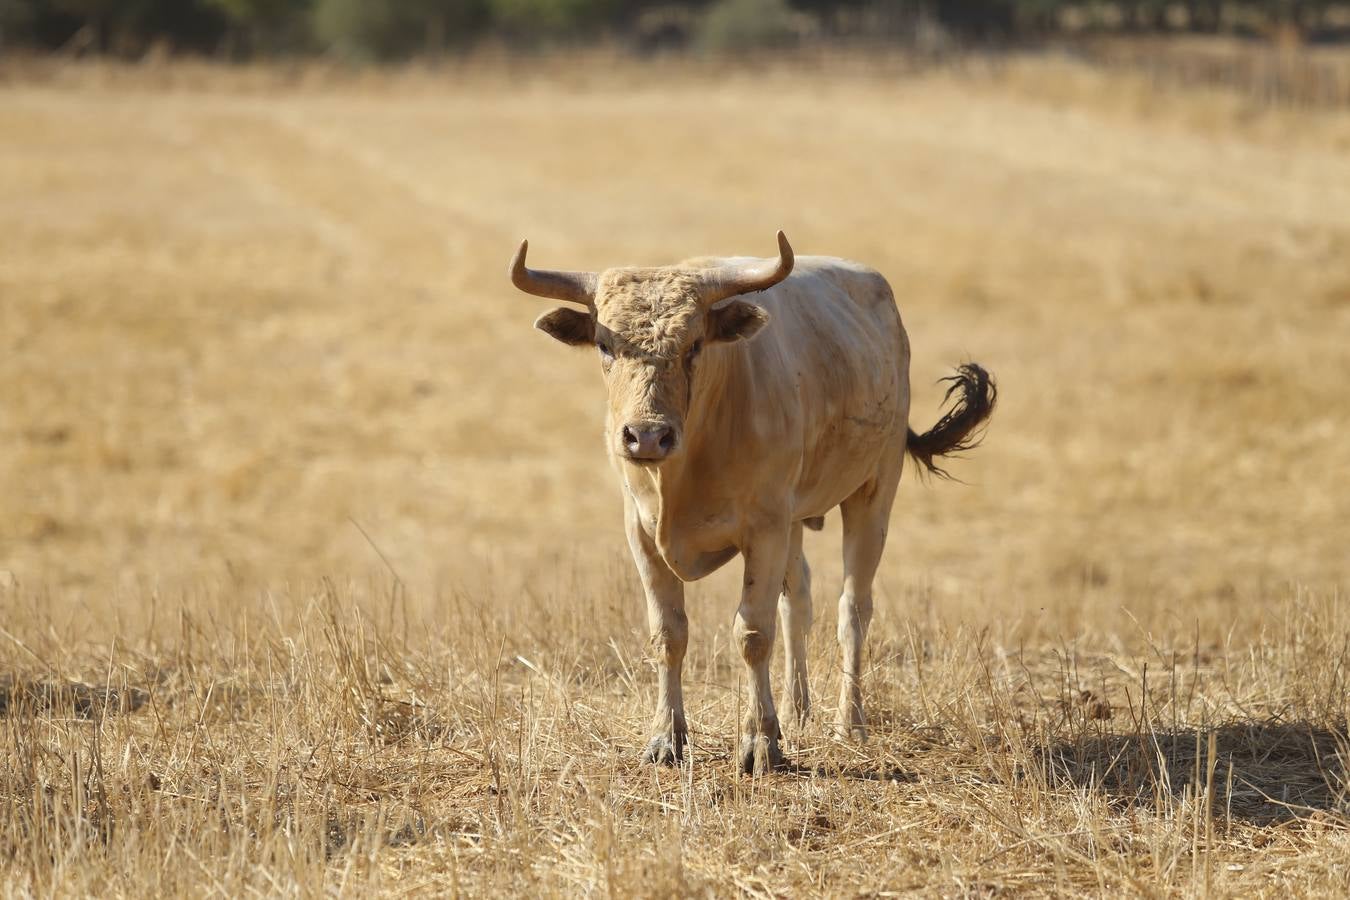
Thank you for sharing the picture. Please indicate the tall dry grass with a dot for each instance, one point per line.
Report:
(314, 574)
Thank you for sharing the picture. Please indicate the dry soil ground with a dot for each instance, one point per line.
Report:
(314, 579)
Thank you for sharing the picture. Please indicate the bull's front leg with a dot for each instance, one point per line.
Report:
(765, 562)
(668, 627)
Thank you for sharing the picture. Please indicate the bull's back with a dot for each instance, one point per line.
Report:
(836, 339)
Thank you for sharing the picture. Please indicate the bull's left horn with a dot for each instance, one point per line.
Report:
(574, 287)
(728, 281)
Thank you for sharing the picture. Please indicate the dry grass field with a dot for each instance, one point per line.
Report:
(312, 572)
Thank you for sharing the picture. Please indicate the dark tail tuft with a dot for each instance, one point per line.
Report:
(960, 427)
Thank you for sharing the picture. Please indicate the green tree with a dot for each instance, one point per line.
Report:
(366, 30)
(535, 18)
(745, 24)
(258, 25)
(129, 26)
(16, 16)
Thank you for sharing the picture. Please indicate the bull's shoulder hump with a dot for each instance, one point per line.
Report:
(802, 264)
(815, 275)
(841, 281)
(833, 264)
(826, 273)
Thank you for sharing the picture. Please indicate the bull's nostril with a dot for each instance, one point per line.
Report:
(647, 443)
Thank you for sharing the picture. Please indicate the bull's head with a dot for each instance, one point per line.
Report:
(649, 327)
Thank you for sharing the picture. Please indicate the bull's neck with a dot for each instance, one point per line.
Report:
(710, 419)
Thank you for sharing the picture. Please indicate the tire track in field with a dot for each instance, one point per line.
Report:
(1232, 181)
(379, 225)
(263, 187)
(422, 209)
(472, 172)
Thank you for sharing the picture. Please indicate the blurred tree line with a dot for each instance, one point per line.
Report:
(392, 29)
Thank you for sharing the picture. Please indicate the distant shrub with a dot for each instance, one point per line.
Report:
(534, 18)
(395, 28)
(263, 26)
(751, 24)
(353, 28)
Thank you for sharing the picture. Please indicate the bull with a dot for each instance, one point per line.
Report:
(735, 422)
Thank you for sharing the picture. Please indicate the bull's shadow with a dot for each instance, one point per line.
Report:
(1264, 772)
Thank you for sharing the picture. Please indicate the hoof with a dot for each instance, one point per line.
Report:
(665, 749)
(851, 731)
(760, 755)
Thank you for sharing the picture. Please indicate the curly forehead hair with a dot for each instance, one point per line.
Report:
(653, 309)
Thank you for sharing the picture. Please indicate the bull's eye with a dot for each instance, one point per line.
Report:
(606, 353)
(693, 351)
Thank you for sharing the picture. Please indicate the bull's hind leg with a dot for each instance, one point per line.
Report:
(794, 611)
(866, 515)
(669, 636)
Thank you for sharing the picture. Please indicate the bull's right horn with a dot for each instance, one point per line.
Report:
(574, 287)
(728, 281)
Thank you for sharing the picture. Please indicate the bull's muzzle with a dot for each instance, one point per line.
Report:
(647, 441)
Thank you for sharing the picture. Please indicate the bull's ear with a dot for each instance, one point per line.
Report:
(736, 321)
(567, 325)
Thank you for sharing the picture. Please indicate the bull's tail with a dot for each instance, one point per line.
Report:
(961, 427)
